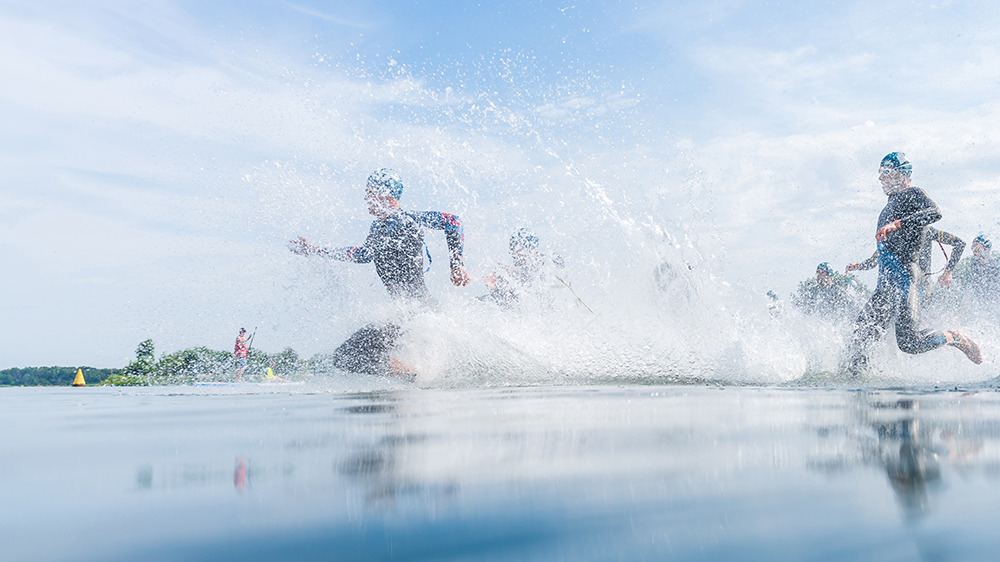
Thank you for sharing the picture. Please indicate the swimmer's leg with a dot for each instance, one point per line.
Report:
(367, 350)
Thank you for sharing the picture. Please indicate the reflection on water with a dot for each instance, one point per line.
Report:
(910, 458)
(514, 474)
(912, 445)
(240, 474)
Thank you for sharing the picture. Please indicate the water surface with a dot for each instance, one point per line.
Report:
(314, 472)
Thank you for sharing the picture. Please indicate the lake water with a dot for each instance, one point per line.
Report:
(323, 471)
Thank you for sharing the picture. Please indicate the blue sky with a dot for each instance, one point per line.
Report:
(157, 154)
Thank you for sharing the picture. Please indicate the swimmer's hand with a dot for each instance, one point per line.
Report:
(884, 232)
(851, 267)
(498, 279)
(491, 281)
(300, 246)
(459, 276)
(945, 279)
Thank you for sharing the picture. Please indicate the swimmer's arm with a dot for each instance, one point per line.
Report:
(921, 218)
(357, 254)
(452, 227)
(927, 213)
(354, 254)
(869, 263)
(957, 244)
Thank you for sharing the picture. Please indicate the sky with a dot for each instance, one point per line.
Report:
(158, 154)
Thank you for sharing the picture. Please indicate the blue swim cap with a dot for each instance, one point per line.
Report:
(523, 239)
(982, 240)
(825, 267)
(387, 182)
(897, 161)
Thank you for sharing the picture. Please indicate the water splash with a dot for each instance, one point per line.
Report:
(603, 186)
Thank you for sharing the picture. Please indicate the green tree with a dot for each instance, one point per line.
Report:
(200, 363)
(145, 351)
(52, 376)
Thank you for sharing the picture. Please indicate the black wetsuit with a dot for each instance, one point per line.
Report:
(832, 302)
(396, 245)
(930, 236)
(899, 279)
(983, 282)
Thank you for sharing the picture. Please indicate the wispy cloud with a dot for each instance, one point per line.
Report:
(332, 19)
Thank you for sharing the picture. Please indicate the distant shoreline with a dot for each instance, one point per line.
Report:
(52, 376)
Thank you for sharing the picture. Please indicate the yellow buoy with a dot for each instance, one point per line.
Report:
(78, 381)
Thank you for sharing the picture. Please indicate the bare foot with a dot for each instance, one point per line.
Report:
(401, 370)
(968, 347)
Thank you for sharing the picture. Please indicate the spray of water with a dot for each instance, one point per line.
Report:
(645, 295)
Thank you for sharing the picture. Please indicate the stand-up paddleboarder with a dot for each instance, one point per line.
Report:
(240, 351)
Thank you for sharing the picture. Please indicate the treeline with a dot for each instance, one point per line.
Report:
(202, 364)
(52, 376)
(180, 367)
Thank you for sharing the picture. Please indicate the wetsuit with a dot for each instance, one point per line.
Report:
(396, 245)
(983, 281)
(930, 236)
(832, 302)
(513, 282)
(899, 277)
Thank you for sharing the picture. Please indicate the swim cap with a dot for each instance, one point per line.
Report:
(387, 182)
(982, 240)
(825, 268)
(523, 239)
(897, 161)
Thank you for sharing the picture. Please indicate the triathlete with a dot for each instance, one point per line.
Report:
(396, 244)
(829, 298)
(982, 277)
(899, 236)
(506, 283)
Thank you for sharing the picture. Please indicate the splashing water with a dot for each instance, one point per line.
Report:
(651, 299)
